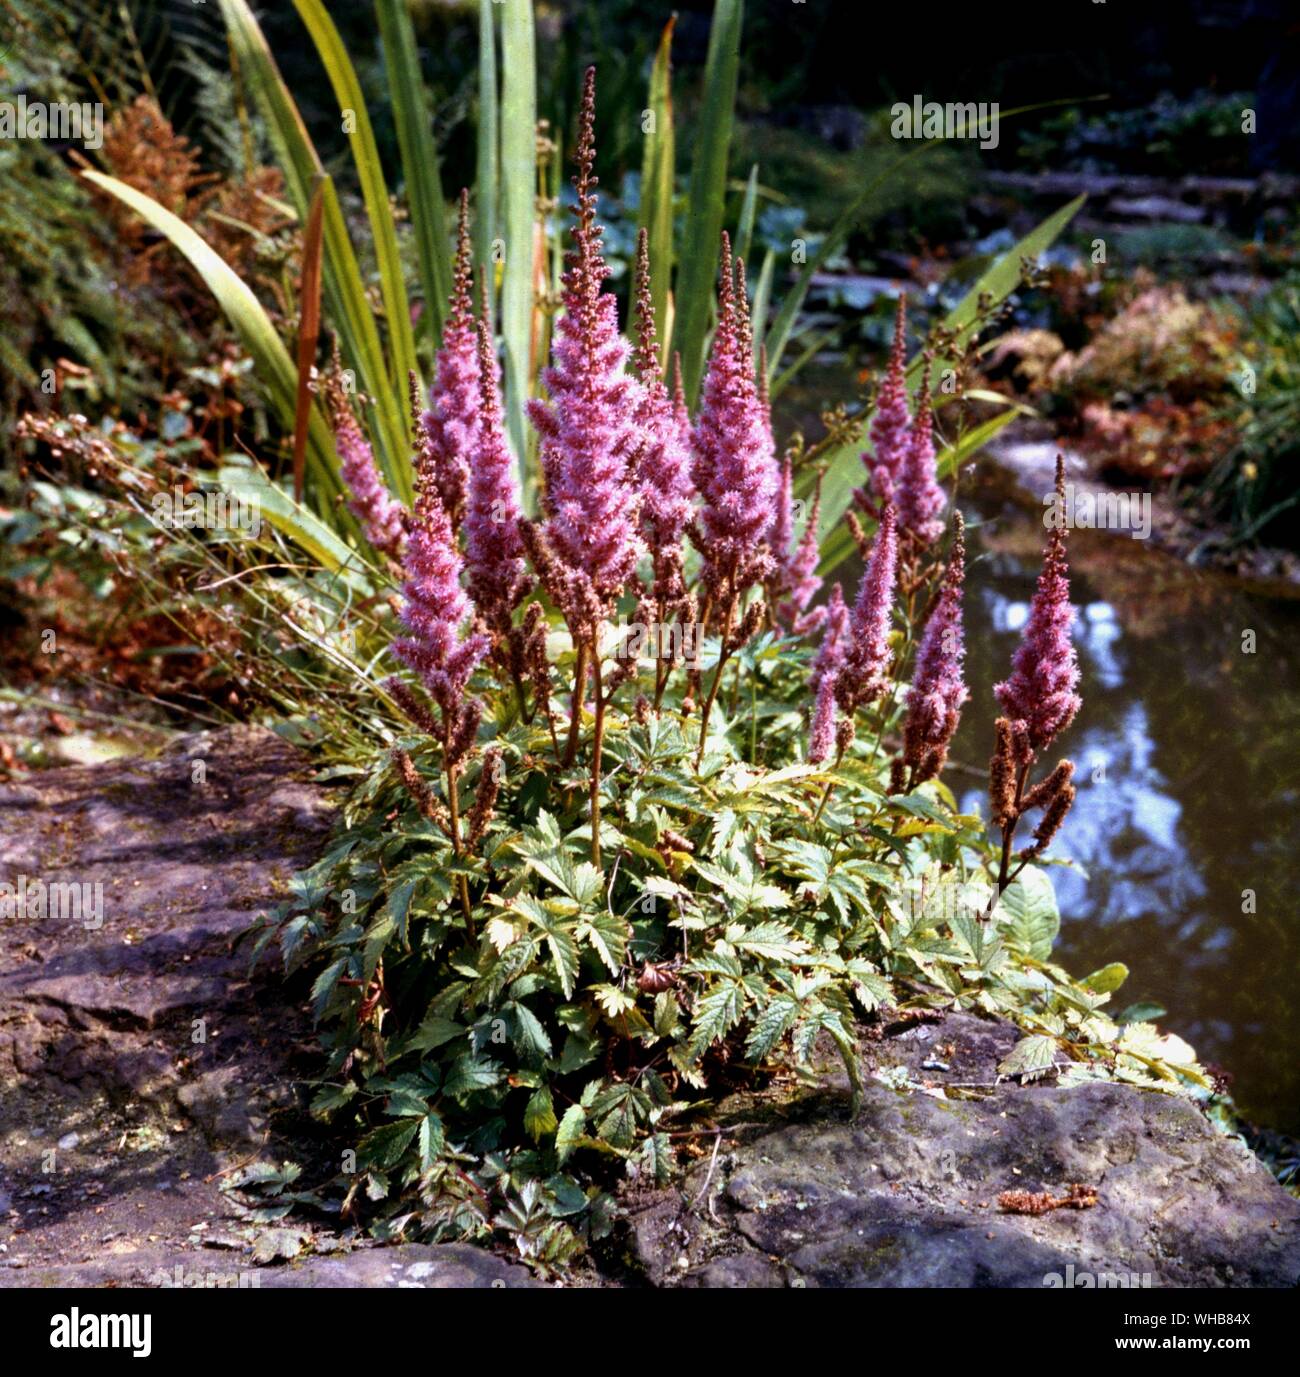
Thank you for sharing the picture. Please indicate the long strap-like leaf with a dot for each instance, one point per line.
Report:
(518, 200)
(370, 172)
(345, 292)
(274, 367)
(658, 167)
(699, 257)
(488, 149)
(419, 161)
(308, 334)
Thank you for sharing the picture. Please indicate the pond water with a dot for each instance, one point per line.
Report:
(1186, 820)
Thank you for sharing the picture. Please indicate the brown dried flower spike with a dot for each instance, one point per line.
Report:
(1077, 1197)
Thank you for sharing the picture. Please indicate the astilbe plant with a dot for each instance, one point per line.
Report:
(529, 996)
(892, 420)
(1039, 701)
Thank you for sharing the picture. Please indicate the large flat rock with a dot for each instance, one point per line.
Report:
(906, 1193)
(139, 1059)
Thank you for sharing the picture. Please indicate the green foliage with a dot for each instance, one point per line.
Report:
(1255, 487)
(58, 281)
(1200, 135)
(500, 1070)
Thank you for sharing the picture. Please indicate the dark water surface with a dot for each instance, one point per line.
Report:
(1188, 756)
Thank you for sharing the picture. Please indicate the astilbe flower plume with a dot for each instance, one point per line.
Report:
(1041, 690)
(825, 674)
(588, 431)
(917, 493)
(1039, 701)
(865, 673)
(735, 463)
(795, 582)
(664, 443)
(449, 427)
(494, 550)
(937, 690)
(438, 644)
(891, 424)
(382, 517)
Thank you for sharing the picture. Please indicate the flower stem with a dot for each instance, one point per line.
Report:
(717, 676)
(453, 807)
(1009, 831)
(597, 746)
(575, 711)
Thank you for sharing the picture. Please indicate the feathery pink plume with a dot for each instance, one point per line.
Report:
(937, 691)
(916, 488)
(892, 421)
(435, 610)
(735, 466)
(796, 580)
(866, 664)
(494, 551)
(825, 672)
(449, 428)
(664, 469)
(382, 517)
(1045, 670)
(588, 430)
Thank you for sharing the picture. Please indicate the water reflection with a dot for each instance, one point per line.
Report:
(1187, 790)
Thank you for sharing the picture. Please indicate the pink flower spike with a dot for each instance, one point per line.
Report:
(735, 468)
(917, 493)
(782, 533)
(449, 428)
(797, 580)
(891, 423)
(588, 429)
(866, 665)
(937, 691)
(493, 547)
(382, 517)
(435, 610)
(1041, 691)
(825, 673)
(664, 470)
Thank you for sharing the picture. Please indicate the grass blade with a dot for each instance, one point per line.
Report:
(748, 210)
(783, 324)
(518, 197)
(419, 161)
(489, 148)
(999, 281)
(699, 256)
(291, 519)
(763, 296)
(370, 172)
(779, 335)
(345, 292)
(658, 170)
